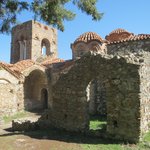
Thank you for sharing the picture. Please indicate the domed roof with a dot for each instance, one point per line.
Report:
(87, 37)
(117, 35)
(118, 31)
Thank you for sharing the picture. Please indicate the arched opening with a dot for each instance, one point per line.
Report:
(44, 98)
(15, 52)
(22, 48)
(34, 83)
(96, 98)
(45, 47)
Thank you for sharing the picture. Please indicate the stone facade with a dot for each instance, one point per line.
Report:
(105, 77)
(71, 96)
(11, 98)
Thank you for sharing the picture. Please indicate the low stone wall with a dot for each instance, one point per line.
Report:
(24, 125)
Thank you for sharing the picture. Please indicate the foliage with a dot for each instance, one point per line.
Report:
(50, 11)
(8, 13)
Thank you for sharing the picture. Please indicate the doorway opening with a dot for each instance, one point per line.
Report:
(96, 98)
(33, 86)
(44, 98)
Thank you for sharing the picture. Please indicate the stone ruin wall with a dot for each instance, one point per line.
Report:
(145, 94)
(70, 107)
(127, 108)
(138, 52)
(129, 48)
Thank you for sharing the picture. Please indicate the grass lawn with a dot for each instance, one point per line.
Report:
(104, 144)
(18, 115)
(98, 122)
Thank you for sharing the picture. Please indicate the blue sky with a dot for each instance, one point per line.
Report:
(132, 15)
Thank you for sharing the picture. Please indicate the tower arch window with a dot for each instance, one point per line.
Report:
(45, 47)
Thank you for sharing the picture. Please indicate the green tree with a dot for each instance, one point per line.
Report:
(52, 12)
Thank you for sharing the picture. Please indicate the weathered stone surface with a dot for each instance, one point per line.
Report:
(24, 125)
(70, 102)
(11, 99)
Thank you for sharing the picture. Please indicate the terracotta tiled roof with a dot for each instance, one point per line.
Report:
(8, 68)
(60, 66)
(132, 38)
(48, 62)
(118, 31)
(66, 64)
(118, 35)
(87, 37)
(22, 65)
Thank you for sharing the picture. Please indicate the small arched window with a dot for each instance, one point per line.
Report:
(45, 47)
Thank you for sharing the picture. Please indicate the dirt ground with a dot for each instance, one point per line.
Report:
(36, 140)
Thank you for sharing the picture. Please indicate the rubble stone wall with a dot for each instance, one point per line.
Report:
(126, 48)
(145, 94)
(70, 106)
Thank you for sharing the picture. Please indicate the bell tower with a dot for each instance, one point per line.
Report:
(33, 40)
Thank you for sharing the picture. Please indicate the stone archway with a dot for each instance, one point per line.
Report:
(70, 106)
(33, 85)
